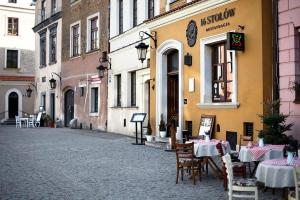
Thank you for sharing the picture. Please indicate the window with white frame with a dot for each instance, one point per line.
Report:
(52, 45)
(93, 32)
(94, 99)
(75, 39)
(218, 71)
(43, 49)
(133, 88)
(119, 91)
(43, 10)
(53, 6)
(43, 101)
(134, 11)
(12, 58)
(13, 26)
(12, 1)
(120, 16)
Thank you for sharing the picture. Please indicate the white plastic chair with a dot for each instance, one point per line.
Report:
(18, 122)
(38, 120)
(294, 195)
(239, 185)
(31, 121)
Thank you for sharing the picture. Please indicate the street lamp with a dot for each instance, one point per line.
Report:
(29, 90)
(52, 81)
(101, 68)
(142, 47)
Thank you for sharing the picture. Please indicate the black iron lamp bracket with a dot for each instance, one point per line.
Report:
(152, 35)
(56, 75)
(34, 85)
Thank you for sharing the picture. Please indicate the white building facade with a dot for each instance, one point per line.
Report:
(129, 80)
(48, 31)
(16, 58)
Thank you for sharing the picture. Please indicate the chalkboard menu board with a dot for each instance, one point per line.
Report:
(207, 123)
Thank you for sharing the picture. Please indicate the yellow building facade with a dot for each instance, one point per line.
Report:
(193, 73)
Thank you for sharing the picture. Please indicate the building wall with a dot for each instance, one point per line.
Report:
(289, 60)
(17, 79)
(79, 71)
(254, 65)
(44, 73)
(124, 60)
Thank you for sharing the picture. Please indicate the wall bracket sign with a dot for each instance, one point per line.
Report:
(235, 41)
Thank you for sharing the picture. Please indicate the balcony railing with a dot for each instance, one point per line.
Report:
(42, 16)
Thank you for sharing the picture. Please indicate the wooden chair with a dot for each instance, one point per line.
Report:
(185, 160)
(294, 195)
(239, 185)
(239, 169)
(244, 140)
(18, 122)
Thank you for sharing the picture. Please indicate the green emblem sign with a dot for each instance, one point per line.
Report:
(235, 41)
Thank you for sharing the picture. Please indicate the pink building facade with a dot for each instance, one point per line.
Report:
(289, 60)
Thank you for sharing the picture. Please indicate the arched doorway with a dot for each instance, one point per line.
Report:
(169, 79)
(13, 105)
(69, 106)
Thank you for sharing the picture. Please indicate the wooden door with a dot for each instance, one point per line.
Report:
(69, 106)
(13, 105)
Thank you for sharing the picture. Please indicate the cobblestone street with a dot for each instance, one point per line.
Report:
(44, 163)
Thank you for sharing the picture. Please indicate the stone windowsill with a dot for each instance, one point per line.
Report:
(219, 105)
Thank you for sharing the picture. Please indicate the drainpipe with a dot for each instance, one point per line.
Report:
(275, 91)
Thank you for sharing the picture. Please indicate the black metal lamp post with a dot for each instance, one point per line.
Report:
(142, 47)
(52, 81)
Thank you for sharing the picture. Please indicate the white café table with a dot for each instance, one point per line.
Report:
(276, 173)
(25, 120)
(208, 151)
(267, 153)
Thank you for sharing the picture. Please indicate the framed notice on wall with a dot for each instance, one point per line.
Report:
(207, 123)
(138, 117)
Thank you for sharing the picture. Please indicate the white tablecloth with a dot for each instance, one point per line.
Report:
(246, 156)
(202, 148)
(25, 120)
(275, 176)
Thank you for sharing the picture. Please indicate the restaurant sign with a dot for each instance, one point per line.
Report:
(218, 17)
(235, 41)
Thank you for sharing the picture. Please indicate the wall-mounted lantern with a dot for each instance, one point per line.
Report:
(142, 47)
(52, 81)
(29, 90)
(101, 68)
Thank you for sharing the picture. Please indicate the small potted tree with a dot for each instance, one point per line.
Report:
(149, 132)
(162, 127)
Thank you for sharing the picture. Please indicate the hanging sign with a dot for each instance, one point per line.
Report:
(235, 41)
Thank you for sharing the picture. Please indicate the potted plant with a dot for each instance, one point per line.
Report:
(48, 122)
(261, 136)
(149, 132)
(162, 127)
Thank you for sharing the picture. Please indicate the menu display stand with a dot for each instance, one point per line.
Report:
(138, 118)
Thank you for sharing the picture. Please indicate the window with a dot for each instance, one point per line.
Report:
(218, 74)
(12, 1)
(221, 73)
(150, 9)
(134, 13)
(94, 100)
(133, 88)
(52, 45)
(12, 59)
(75, 49)
(118, 77)
(94, 33)
(13, 26)
(43, 10)
(43, 49)
(53, 6)
(120, 16)
(81, 91)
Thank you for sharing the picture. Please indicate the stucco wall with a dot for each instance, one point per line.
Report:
(289, 59)
(254, 74)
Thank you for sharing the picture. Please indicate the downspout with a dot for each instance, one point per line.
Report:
(276, 95)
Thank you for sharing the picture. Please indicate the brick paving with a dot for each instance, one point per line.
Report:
(45, 163)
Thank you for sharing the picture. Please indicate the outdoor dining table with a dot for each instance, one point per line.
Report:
(208, 150)
(276, 173)
(25, 120)
(256, 154)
